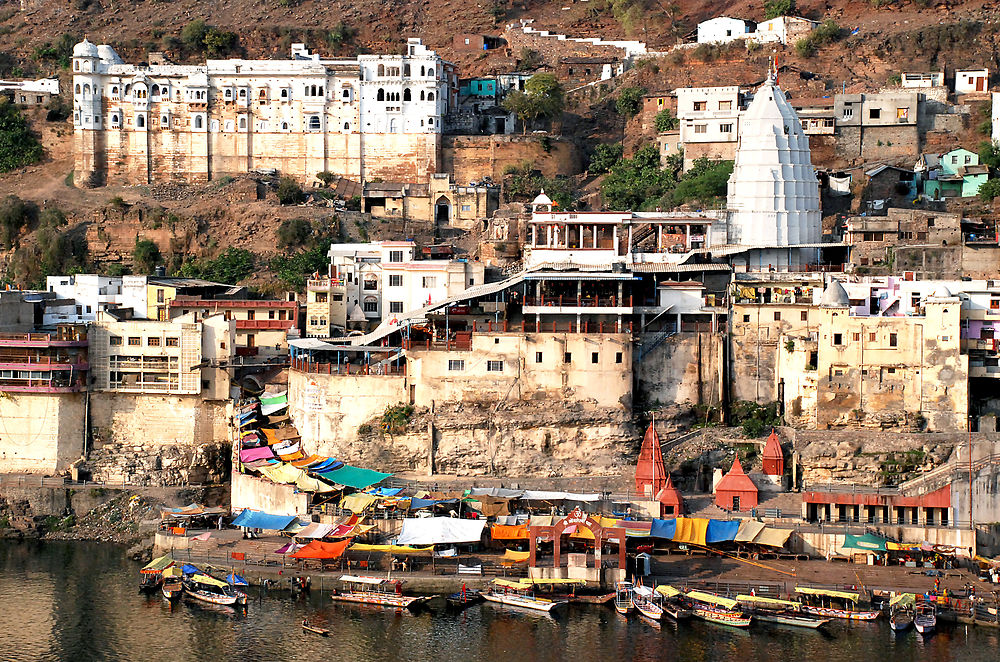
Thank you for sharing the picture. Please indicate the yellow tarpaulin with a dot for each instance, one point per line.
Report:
(393, 549)
(528, 581)
(506, 583)
(310, 484)
(283, 473)
(210, 581)
(691, 530)
(510, 556)
(753, 599)
(173, 571)
(906, 599)
(773, 537)
(358, 502)
(668, 591)
(843, 595)
(711, 598)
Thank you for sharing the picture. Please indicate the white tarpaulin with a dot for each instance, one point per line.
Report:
(840, 185)
(440, 530)
(537, 495)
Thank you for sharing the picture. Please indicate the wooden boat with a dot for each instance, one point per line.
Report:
(718, 609)
(925, 618)
(206, 588)
(835, 604)
(151, 575)
(901, 620)
(671, 602)
(623, 597)
(900, 614)
(376, 591)
(782, 612)
(645, 601)
(464, 598)
(592, 599)
(323, 632)
(517, 594)
(173, 583)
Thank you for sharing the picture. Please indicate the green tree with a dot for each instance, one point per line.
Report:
(605, 157)
(293, 232)
(989, 189)
(18, 145)
(705, 182)
(989, 154)
(193, 34)
(220, 42)
(630, 101)
(665, 121)
(528, 59)
(230, 267)
(637, 182)
(289, 192)
(15, 215)
(776, 8)
(326, 177)
(293, 269)
(542, 98)
(145, 256)
(340, 35)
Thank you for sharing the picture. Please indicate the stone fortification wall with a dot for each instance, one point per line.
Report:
(262, 494)
(40, 433)
(684, 368)
(470, 158)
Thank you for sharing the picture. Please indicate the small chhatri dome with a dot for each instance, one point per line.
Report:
(942, 292)
(541, 199)
(108, 54)
(835, 296)
(85, 49)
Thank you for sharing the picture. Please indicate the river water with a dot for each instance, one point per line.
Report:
(79, 601)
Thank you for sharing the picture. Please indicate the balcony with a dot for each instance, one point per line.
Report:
(571, 304)
(140, 363)
(264, 325)
(45, 363)
(61, 339)
(348, 369)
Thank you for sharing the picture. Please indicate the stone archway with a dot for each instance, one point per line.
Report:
(575, 519)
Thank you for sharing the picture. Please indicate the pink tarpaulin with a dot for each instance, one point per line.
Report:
(290, 547)
(203, 536)
(252, 454)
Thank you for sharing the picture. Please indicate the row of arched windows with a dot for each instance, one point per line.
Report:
(382, 95)
(383, 70)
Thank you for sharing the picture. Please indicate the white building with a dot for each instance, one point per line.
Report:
(384, 279)
(80, 297)
(373, 116)
(782, 30)
(921, 79)
(723, 29)
(773, 197)
(709, 121)
(972, 81)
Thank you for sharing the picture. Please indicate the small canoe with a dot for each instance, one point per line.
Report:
(172, 589)
(676, 612)
(523, 601)
(323, 632)
(901, 621)
(791, 619)
(593, 599)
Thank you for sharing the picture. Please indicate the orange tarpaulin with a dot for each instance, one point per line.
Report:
(506, 532)
(510, 557)
(306, 461)
(322, 550)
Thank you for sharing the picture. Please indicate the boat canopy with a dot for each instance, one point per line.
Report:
(843, 595)
(202, 578)
(372, 581)
(668, 591)
(644, 591)
(507, 583)
(158, 564)
(770, 602)
(528, 581)
(711, 598)
(903, 599)
(173, 571)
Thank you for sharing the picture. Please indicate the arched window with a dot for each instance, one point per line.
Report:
(422, 72)
(128, 88)
(114, 119)
(229, 93)
(243, 122)
(381, 95)
(263, 95)
(77, 88)
(155, 91)
(430, 121)
(114, 90)
(430, 96)
(347, 126)
(392, 125)
(243, 94)
(430, 72)
(381, 70)
(284, 126)
(86, 89)
(76, 66)
(198, 122)
(314, 124)
(406, 69)
(140, 121)
(422, 95)
(347, 94)
(320, 91)
(284, 93)
(406, 95)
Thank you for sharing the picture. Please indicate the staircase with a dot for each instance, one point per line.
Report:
(647, 346)
(946, 474)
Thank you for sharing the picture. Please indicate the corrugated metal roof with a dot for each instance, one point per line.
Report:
(655, 268)
(579, 275)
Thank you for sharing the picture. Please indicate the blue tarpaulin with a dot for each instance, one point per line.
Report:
(329, 464)
(236, 580)
(189, 569)
(386, 491)
(254, 519)
(416, 504)
(720, 530)
(663, 528)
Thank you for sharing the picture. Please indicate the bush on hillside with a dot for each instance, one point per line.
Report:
(18, 145)
(665, 121)
(293, 232)
(289, 192)
(629, 101)
(605, 157)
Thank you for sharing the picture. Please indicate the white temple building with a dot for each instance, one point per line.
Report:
(773, 198)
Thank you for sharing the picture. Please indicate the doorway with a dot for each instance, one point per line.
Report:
(442, 211)
(736, 503)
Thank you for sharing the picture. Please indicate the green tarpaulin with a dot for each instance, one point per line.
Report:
(868, 542)
(355, 477)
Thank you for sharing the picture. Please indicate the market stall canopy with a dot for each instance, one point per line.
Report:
(501, 532)
(868, 542)
(691, 530)
(417, 504)
(749, 528)
(255, 519)
(173, 571)
(190, 510)
(315, 530)
(322, 550)
(721, 530)
(903, 599)
(440, 530)
(355, 477)
(510, 556)
(358, 502)
(773, 537)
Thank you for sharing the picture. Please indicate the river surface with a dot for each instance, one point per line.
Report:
(79, 601)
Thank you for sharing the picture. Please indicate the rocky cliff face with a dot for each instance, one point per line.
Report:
(159, 465)
(522, 440)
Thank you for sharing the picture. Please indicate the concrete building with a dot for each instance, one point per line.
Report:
(921, 80)
(376, 116)
(438, 201)
(782, 30)
(30, 92)
(17, 311)
(955, 174)
(709, 122)
(878, 239)
(149, 297)
(326, 307)
(154, 357)
(972, 81)
(722, 29)
(85, 296)
(263, 327)
(816, 115)
(44, 362)
(773, 196)
(876, 126)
